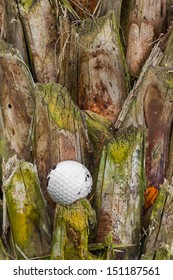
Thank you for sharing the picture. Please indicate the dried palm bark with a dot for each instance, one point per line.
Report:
(145, 21)
(39, 24)
(17, 102)
(118, 195)
(29, 221)
(100, 57)
(131, 162)
(71, 231)
(10, 25)
(125, 151)
(59, 130)
(93, 49)
(159, 241)
(56, 131)
(111, 5)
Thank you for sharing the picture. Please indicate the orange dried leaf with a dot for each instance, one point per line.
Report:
(150, 196)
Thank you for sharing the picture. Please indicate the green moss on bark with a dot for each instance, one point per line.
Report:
(159, 242)
(119, 190)
(99, 131)
(27, 210)
(163, 253)
(61, 108)
(120, 150)
(3, 253)
(27, 4)
(71, 231)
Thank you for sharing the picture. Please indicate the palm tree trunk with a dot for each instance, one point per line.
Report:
(89, 81)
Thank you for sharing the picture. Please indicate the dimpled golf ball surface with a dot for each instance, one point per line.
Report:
(68, 182)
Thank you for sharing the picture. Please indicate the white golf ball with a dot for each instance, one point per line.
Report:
(68, 182)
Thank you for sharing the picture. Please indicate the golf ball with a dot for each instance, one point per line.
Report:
(68, 182)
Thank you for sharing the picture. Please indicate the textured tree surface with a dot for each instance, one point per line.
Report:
(29, 221)
(159, 239)
(146, 21)
(90, 81)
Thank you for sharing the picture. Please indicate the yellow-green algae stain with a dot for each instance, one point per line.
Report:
(169, 82)
(74, 221)
(61, 108)
(121, 190)
(159, 205)
(119, 150)
(98, 130)
(121, 147)
(116, 163)
(16, 201)
(26, 206)
(3, 149)
(89, 29)
(27, 4)
(125, 156)
(155, 249)
(3, 253)
(163, 252)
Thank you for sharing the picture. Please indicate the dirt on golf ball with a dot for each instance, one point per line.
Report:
(68, 182)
